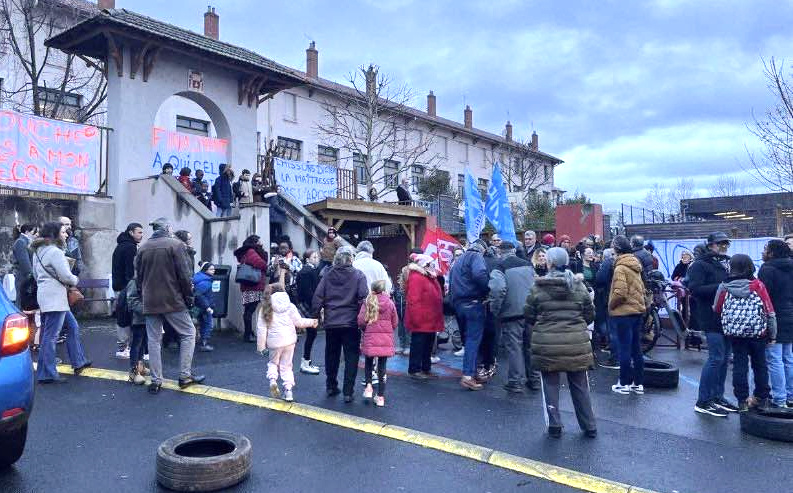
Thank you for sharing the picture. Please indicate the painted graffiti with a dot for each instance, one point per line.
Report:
(184, 150)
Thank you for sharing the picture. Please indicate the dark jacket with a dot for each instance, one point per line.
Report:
(603, 280)
(307, 282)
(469, 278)
(559, 317)
(777, 275)
(222, 195)
(704, 276)
(74, 251)
(163, 276)
(512, 278)
(277, 209)
(403, 195)
(525, 254)
(646, 259)
(202, 287)
(341, 292)
(680, 271)
(134, 304)
(124, 261)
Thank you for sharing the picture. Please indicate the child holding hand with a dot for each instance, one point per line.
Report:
(276, 330)
(378, 318)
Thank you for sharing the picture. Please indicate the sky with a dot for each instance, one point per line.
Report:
(628, 94)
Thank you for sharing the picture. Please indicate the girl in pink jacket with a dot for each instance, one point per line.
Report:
(377, 318)
(276, 326)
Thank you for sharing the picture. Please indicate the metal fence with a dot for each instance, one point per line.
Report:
(630, 214)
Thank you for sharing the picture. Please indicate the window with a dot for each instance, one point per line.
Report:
(359, 165)
(482, 186)
(546, 172)
(290, 107)
(328, 155)
(289, 148)
(50, 97)
(391, 173)
(192, 125)
(443, 147)
(463, 152)
(416, 176)
(485, 160)
(460, 185)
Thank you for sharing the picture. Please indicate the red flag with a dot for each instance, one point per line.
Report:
(440, 246)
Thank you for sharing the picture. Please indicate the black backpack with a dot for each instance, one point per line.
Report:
(123, 313)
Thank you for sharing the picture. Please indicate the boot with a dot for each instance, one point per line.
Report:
(142, 370)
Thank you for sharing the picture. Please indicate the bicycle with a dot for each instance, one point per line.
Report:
(663, 292)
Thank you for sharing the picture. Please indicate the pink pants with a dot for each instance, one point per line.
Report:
(281, 362)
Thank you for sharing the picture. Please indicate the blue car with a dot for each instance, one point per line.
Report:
(16, 381)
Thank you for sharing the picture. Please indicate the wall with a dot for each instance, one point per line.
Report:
(579, 220)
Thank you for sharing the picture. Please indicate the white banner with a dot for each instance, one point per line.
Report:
(306, 182)
(668, 252)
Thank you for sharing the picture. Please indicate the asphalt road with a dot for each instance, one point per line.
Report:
(98, 435)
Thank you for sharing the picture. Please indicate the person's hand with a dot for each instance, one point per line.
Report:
(316, 323)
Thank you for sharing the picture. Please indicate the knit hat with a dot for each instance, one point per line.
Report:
(204, 266)
(548, 239)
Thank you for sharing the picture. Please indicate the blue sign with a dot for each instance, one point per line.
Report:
(497, 209)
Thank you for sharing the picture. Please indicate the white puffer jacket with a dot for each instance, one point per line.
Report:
(281, 331)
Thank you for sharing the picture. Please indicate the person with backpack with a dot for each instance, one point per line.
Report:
(202, 290)
(749, 322)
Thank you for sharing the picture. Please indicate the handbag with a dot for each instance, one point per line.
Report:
(247, 274)
(73, 295)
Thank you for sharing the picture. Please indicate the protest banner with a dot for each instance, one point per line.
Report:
(183, 150)
(306, 182)
(48, 155)
(439, 245)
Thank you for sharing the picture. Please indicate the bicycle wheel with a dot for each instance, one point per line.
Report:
(651, 330)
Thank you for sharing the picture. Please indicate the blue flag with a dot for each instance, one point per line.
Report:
(497, 208)
(474, 209)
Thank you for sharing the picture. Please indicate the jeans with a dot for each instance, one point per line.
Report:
(137, 345)
(52, 323)
(714, 372)
(514, 333)
(381, 365)
(780, 371)
(219, 212)
(473, 315)
(420, 352)
(628, 329)
(743, 350)
(183, 326)
(336, 339)
(205, 319)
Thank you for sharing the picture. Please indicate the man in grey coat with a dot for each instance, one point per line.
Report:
(166, 290)
(510, 282)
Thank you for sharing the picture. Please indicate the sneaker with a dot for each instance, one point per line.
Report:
(146, 357)
(790, 404)
(460, 353)
(379, 401)
(637, 389)
(710, 409)
(611, 364)
(205, 348)
(308, 368)
(123, 354)
(191, 380)
(470, 384)
(288, 397)
(275, 392)
(368, 392)
(725, 405)
(80, 369)
(591, 433)
(434, 359)
(743, 407)
(348, 399)
(621, 389)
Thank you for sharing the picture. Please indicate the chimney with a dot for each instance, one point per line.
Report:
(371, 81)
(468, 117)
(509, 131)
(535, 141)
(431, 107)
(106, 4)
(312, 61)
(211, 23)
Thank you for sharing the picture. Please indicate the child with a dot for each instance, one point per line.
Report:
(137, 347)
(749, 322)
(184, 178)
(202, 288)
(378, 319)
(275, 330)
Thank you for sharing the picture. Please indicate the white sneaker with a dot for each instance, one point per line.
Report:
(123, 354)
(621, 389)
(461, 352)
(146, 357)
(434, 359)
(637, 389)
(288, 395)
(307, 367)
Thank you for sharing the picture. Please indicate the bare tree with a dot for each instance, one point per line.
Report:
(728, 186)
(46, 81)
(524, 171)
(666, 199)
(774, 166)
(375, 123)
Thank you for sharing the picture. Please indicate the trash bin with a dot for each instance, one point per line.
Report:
(220, 291)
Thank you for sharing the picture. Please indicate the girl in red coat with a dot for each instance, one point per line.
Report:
(423, 315)
(377, 318)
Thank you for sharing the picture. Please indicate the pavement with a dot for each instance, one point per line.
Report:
(109, 431)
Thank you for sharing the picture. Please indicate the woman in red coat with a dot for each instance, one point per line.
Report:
(252, 253)
(423, 314)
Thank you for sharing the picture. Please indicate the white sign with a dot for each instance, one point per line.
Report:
(184, 150)
(306, 182)
(668, 252)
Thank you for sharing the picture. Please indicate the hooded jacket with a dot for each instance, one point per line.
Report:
(646, 260)
(221, 189)
(742, 288)
(163, 275)
(124, 261)
(341, 291)
(372, 269)
(423, 301)
(281, 331)
(52, 273)
(512, 278)
(559, 313)
(307, 282)
(777, 275)
(378, 336)
(627, 288)
(469, 278)
(705, 275)
(202, 289)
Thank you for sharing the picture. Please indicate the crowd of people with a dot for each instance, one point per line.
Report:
(534, 302)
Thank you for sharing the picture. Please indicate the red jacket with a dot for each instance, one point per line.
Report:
(424, 301)
(185, 180)
(378, 336)
(254, 260)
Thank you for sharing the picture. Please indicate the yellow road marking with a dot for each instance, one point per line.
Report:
(522, 465)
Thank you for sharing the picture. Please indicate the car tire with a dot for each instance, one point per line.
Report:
(13, 446)
(660, 374)
(205, 461)
(771, 424)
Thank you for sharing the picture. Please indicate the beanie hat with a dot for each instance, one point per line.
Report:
(548, 239)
